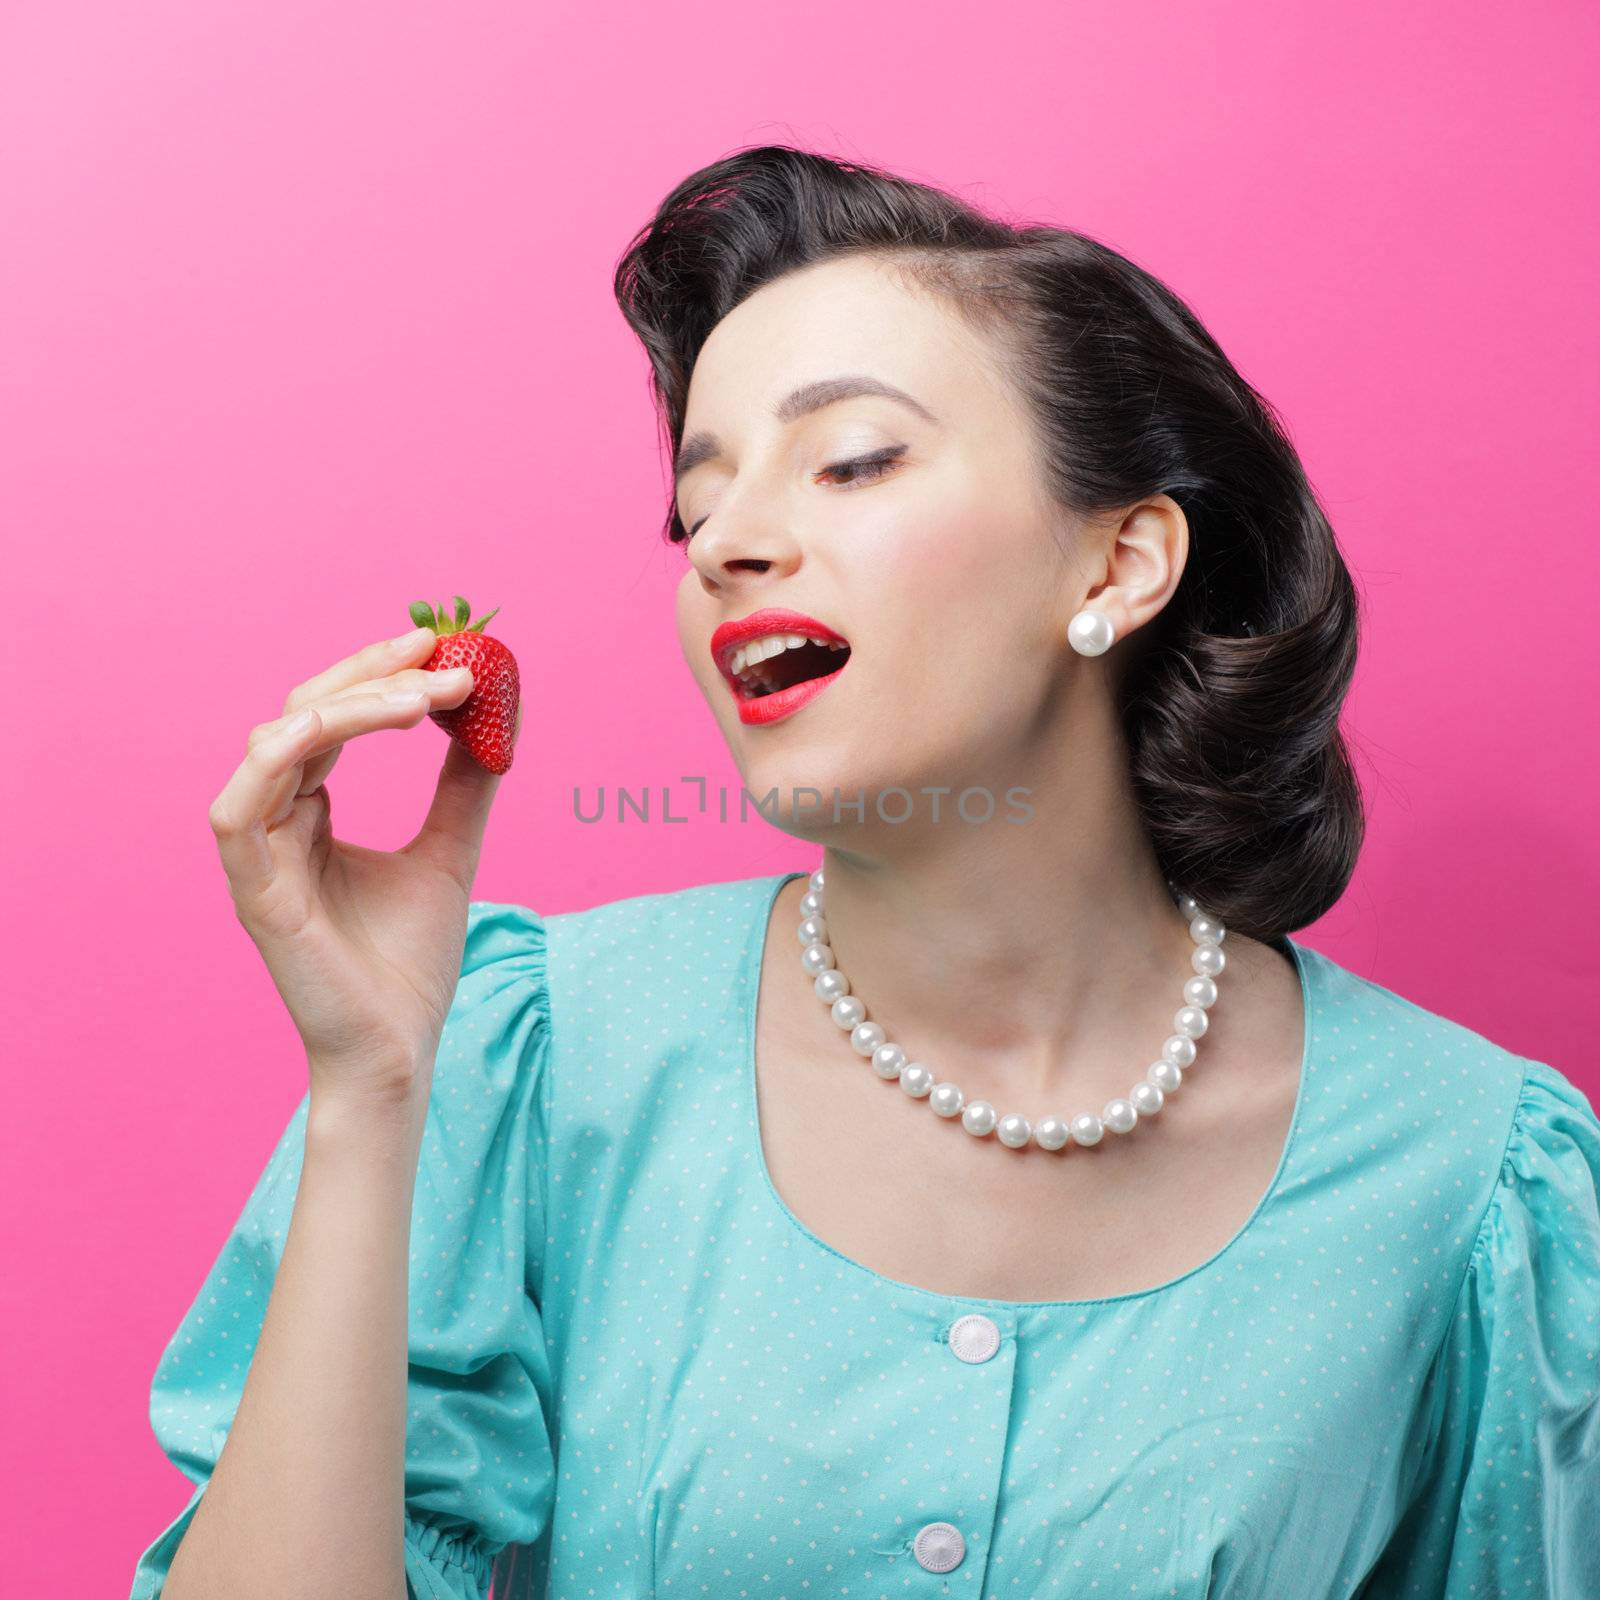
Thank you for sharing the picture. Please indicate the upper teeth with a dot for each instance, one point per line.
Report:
(772, 644)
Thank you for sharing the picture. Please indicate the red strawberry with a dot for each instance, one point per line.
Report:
(485, 722)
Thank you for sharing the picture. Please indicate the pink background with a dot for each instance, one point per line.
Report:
(305, 313)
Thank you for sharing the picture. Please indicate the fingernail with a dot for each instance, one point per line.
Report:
(404, 697)
(409, 641)
(294, 729)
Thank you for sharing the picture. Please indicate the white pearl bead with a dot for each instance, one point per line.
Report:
(1051, 1133)
(865, 1037)
(816, 958)
(1178, 1050)
(978, 1118)
(831, 985)
(888, 1059)
(1165, 1075)
(1119, 1115)
(1146, 1098)
(1013, 1130)
(1091, 632)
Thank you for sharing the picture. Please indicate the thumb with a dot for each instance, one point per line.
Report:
(451, 836)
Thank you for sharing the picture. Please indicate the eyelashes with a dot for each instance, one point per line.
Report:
(873, 466)
(864, 469)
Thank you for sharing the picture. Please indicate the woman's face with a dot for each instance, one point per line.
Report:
(943, 567)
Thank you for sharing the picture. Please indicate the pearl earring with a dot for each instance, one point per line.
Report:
(1091, 632)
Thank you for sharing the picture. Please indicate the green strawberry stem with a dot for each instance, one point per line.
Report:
(424, 615)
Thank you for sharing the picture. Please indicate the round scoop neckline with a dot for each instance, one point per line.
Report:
(1300, 954)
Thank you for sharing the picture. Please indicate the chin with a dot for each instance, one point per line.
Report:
(831, 772)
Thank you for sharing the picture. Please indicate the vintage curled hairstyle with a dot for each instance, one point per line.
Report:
(1229, 701)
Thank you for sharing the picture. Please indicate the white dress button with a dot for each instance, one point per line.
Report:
(939, 1546)
(974, 1338)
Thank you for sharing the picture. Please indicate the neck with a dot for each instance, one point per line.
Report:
(1038, 955)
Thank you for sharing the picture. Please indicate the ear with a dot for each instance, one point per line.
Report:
(1139, 554)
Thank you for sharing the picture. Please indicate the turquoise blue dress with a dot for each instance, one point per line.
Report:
(633, 1371)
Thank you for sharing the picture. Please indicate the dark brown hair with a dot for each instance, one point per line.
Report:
(1230, 699)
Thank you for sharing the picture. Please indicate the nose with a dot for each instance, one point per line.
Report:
(730, 552)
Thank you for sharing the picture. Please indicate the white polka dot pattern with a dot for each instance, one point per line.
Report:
(635, 1372)
(479, 1468)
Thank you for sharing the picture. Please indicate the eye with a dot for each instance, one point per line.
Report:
(863, 469)
(866, 468)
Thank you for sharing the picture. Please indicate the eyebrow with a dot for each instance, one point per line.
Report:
(809, 397)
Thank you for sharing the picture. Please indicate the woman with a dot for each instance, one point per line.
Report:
(1010, 1207)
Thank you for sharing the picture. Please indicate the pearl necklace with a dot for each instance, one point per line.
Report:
(978, 1117)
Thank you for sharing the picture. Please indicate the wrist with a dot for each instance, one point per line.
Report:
(385, 1092)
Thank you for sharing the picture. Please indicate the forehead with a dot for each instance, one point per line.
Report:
(842, 316)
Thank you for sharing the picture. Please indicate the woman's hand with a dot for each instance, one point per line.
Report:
(364, 946)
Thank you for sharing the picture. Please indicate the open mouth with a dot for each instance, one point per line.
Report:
(781, 661)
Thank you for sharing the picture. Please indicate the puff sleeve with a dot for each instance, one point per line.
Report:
(1508, 1494)
(479, 1465)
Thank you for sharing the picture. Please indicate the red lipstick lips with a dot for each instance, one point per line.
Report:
(760, 709)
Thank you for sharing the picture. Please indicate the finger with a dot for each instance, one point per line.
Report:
(237, 815)
(296, 820)
(349, 714)
(299, 843)
(446, 688)
(270, 772)
(415, 677)
(451, 836)
(321, 842)
(371, 661)
(443, 690)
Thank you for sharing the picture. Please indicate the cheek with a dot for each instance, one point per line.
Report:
(694, 628)
(927, 564)
(970, 571)
(966, 611)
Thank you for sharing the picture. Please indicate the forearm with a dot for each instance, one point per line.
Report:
(307, 1497)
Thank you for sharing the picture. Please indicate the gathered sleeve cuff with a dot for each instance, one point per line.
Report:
(479, 1463)
(1507, 1500)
